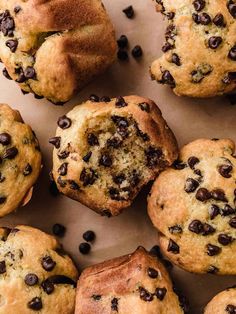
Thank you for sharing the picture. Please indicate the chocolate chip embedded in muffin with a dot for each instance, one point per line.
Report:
(199, 5)
(31, 279)
(213, 250)
(191, 185)
(203, 195)
(173, 247)
(35, 304)
(48, 263)
(64, 122)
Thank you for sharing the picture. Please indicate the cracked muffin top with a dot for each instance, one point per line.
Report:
(53, 48)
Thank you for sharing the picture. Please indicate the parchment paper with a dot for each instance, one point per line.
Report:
(188, 118)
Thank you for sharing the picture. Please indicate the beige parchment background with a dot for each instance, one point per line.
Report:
(189, 119)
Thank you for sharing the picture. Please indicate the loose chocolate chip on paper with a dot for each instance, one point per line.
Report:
(122, 55)
(89, 236)
(122, 41)
(58, 230)
(84, 248)
(129, 12)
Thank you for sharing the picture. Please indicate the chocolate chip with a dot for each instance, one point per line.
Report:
(214, 211)
(213, 250)
(195, 226)
(207, 229)
(115, 194)
(152, 273)
(122, 55)
(7, 23)
(28, 170)
(134, 179)
(31, 279)
(84, 248)
(105, 99)
(114, 304)
(47, 263)
(21, 79)
(229, 78)
(96, 297)
(12, 44)
(214, 42)
(58, 230)
(73, 185)
(227, 210)
(89, 236)
(64, 122)
(160, 293)
(191, 185)
(225, 170)
(196, 18)
(6, 74)
(114, 142)
(219, 20)
(63, 154)
(88, 176)
(62, 170)
(5, 139)
(199, 5)
(87, 157)
(192, 161)
(212, 270)
(17, 9)
(47, 286)
(92, 139)
(173, 247)
(122, 41)
(137, 52)
(232, 222)
(218, 195)
(2, 267)
(175, 229)
(120, 102)
(121, 122)
(145, 295)
(203, 195)
(230, 308)
(105, 160)
(167, 46)
(179, 165)
(204, 18)
(224, 239)
(153, 155)
(170, 15)
(94, 98)
(10, 153)
(35, 304)
(30, 73)
(129, 12)
(168, 79)
(176, 59)
(232, 53)
(144, 106)
(118, 179)
(232, 8)
(55, 141)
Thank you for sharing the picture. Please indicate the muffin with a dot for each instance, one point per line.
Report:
(136, 283)
(199, 57)
(106, 151)
(36, 274)
(223, 303)
(193, 207)
(54, 48)
(20, 160)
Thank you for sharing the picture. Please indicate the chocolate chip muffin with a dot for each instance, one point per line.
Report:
(193, 207)
(106, 151)
(53, 48)
(199, 57)
(223, 303)
(20, 160)
(36, 274)
(136, 283)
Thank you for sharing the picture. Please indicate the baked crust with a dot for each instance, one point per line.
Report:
(116, 285)
(20, 160)
(129, 159)
(22, 252)
(193, 207)
(189, 65)
(223, 302)
(67, 43)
